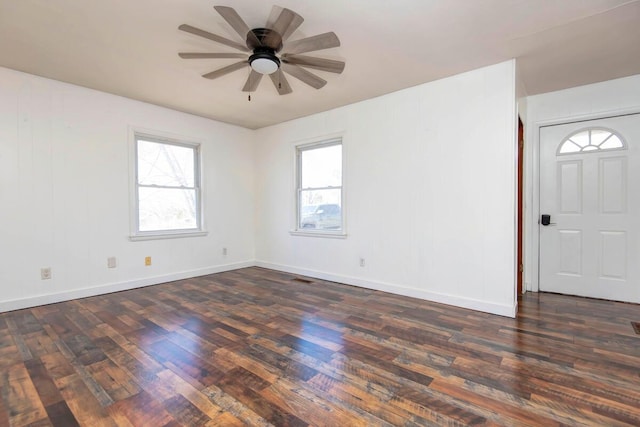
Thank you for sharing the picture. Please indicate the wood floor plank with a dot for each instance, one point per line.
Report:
(357, 397)
(23, 349)
(260, 347)
(21, 397)
(142, 409)
(198, 399)
(116, 382)
(248, 393)
(513, 410)
(234, 407)
(86, 409)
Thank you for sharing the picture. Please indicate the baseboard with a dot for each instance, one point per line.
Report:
(484, 306)
(473, 304)
(116, 287)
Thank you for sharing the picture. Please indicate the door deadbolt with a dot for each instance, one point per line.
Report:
(546, 220)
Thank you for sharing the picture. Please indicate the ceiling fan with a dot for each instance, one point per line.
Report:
(268, 51)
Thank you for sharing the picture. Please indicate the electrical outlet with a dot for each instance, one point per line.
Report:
(45, 273)
(224, 251)
(362, 262)
(147, 261)
(111, 262)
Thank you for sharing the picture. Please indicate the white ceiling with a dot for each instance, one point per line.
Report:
(129, 48)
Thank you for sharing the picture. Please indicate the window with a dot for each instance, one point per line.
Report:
(319, 188)
(591, 140)
(167, 187)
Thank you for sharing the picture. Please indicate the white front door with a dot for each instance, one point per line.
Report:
(590, 188)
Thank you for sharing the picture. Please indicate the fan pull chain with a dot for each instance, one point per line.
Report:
(249, 81)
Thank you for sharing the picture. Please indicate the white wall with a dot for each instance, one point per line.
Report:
(430, 185)
(64, 193)
(429, 182)
(598, 100)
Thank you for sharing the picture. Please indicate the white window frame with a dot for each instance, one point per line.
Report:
(306, 146)
(163, 138)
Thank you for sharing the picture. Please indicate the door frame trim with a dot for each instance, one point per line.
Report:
(532, 173)
(520, 209)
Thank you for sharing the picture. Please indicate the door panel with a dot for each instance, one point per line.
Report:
(570, 252)
(613, 245)
(570, 186)
(613, 185)
(593, 196)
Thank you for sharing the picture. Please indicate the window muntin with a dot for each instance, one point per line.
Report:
(591, 140)
(319, 187)
(167, 186)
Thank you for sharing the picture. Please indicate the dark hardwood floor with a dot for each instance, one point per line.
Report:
(258, 347)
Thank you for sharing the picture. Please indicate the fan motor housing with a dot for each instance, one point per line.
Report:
(269, 38)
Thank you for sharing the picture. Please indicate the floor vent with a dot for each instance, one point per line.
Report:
(300, 279)
(636, 327)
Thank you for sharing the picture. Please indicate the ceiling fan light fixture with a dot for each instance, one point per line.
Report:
(264, 63)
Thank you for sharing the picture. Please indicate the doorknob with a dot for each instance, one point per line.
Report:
(546, 220)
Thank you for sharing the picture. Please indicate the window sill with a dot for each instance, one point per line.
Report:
(326, 234)
(157, 235)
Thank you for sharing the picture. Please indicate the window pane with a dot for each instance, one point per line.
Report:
(166, 209)
(598, 135)
(165, 164)
(612, 143)
(321, 209)
(569, 147)
(581, 139)
(322, 167)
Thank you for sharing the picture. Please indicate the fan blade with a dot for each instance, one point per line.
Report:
(193, 55)
(295, 23)
(288, 21)
(252, 82)
(231, 16)
(225, 70)
(304, 75)
(215, 38)
(310, 44)
(321, 64)
(280, 82)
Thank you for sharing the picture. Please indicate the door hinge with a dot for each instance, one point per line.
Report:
(521, 268)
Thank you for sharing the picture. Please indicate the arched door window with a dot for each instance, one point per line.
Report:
(591, 140)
